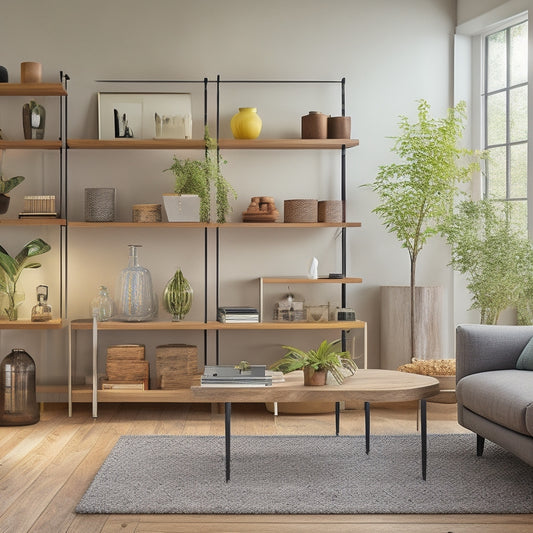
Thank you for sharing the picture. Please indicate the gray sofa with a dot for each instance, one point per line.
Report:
(494, 399)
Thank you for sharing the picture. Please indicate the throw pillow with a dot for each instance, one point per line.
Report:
(525, 361)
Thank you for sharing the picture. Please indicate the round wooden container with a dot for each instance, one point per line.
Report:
(330, 211)
(301, 210)
(315, 126)
(31, 72)
(339, 127)
(146, 213)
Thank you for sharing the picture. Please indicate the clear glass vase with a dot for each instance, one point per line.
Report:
(177, 297)
(136, 299)
(102, 305)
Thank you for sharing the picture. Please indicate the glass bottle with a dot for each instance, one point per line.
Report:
(18, 397)
(102, 305)
(136, 299)
(42, 312)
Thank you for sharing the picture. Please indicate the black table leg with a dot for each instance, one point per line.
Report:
(423, 433)
(367, 426)
(337, 417)
(227, 432)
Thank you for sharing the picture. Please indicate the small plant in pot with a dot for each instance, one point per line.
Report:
(11, 269)
(317, 363)
(5, 187)
(196, 177)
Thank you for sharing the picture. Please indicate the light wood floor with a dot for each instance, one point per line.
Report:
(46, 468)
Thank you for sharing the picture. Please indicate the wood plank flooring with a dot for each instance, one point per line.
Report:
(46, 468)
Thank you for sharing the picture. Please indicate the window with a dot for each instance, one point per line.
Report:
(506, 118)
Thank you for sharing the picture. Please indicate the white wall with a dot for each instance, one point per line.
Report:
(391, 53)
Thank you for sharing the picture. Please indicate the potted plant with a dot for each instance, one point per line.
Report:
(495, 257)
(196, 177)
(5, 187)
(416, 194)
(317, 363)
(12, 267)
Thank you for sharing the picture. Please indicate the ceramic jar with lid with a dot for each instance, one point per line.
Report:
(315, 125)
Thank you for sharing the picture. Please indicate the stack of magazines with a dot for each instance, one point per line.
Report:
(237, 314)
(230, 376)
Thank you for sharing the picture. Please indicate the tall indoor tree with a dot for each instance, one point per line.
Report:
(417, 193)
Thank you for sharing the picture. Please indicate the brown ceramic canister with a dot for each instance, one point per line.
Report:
(31, 72)
(315, 125)
(339, 127)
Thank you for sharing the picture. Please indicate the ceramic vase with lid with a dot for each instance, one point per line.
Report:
(315, 125)
(246, 124)
(136, 299)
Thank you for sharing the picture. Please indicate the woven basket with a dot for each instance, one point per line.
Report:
(176, 365)
(301, 210)
(331, 211)
(146, 213)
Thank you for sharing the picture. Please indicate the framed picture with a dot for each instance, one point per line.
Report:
(144, 116)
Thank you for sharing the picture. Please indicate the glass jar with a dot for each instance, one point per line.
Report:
(136, 299)
(102, 305)
(42, 312)
(18, 397)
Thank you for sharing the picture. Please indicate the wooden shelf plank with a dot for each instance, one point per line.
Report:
(136, 144)
(351, 324)
(28, 324)
(307, 280)
(80, 224)
(87, 324)
(154, 325)
(30, 144)
(287, 144)
(308, 225)
(84, 395)
(37, 221)
(32, 89)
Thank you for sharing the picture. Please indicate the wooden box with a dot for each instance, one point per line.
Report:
(125, 351)
(128, 370)
(176, 364)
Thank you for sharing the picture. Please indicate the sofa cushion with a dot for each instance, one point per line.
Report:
(525, 361)
(502, 396)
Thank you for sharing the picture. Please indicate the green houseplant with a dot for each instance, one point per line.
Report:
(495, 257)
(5, 187)
(12, 267)
(326, 358)
(198, 176)
(417, 193)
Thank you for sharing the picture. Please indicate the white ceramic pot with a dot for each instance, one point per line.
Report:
(182, 207)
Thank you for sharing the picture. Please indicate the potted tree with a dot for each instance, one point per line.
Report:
(194, 179)
(317, 363)
(5, 187)
(12, 267)
(495, 257)
(417, 193)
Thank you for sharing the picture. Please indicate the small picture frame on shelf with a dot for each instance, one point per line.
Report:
(144, 116)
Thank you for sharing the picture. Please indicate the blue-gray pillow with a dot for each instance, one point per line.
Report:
(525, 361)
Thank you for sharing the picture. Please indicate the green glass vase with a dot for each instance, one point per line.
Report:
(177, 297)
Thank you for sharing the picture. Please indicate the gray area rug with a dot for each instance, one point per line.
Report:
(308, 475)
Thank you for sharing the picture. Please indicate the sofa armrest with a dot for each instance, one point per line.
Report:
(480, 348)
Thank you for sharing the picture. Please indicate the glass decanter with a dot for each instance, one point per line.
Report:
(102, 305)
(136, 299)
(42, 312)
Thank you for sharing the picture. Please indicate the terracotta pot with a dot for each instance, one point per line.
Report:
(314, 377)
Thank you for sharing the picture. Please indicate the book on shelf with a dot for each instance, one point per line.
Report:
(241, 314)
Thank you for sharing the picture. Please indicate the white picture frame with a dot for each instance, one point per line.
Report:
(144, 115)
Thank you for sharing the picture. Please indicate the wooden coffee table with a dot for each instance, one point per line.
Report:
(366, 385)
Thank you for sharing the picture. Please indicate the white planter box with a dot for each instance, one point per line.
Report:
(182, 207)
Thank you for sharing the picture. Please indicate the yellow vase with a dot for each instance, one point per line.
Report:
(246, 124)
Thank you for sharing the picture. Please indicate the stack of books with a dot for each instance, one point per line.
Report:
(238, 314)
(230, 376)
